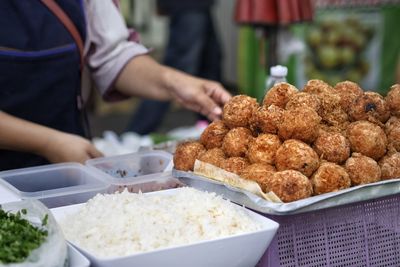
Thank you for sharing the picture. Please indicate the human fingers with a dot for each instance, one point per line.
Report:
(217, 92)
(94, 152)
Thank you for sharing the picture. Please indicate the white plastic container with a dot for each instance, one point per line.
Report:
(242, 250)
(55, 184)
(144, 171)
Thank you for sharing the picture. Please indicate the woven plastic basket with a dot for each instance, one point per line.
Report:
(363, 234)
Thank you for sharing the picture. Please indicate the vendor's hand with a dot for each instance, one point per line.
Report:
(64, 147)
(200, 95)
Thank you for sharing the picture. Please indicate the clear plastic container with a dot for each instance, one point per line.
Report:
(144, 171)
(277, 75)
(56, 184)
(53, 251)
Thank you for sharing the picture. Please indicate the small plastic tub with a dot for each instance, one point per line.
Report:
(144, 171)
(55, 185)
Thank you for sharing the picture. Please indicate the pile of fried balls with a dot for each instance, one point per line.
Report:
(303, 143)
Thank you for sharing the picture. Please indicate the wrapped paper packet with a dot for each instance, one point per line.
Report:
(232, 179)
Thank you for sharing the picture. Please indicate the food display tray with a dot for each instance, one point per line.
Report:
(328, 200)
(357, 227)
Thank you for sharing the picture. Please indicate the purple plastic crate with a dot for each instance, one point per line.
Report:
(363, 234)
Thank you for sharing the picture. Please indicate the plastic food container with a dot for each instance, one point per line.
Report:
(53, 251)
(56, 184)
(241, 250)
(144, 171)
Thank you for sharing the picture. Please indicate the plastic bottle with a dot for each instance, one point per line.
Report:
(277, 75)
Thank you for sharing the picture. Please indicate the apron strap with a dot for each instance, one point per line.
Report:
(68, 24)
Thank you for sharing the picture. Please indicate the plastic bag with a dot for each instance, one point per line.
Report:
(53, 251)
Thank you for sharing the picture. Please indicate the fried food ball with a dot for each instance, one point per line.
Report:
(304, 99)
(390, 166)
(214, 156)
(330, 177)
(348, 92)
(392, 130)
(317, 87)
(296, 155)
(213, 135)
(266, 119)
(370, 106)
(299, 123)
(279, 94)
(235, 164)
(335, 118)
(259, 173)
(367, 138)
(333, 147)
(289, 185)
(393, 99)
(186, 154)
(236, 142)
(263, 149)
(238, 111)
(362, 169)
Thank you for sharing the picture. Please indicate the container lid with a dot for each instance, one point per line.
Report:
(138, 166)
(52, 180)
(279, 71)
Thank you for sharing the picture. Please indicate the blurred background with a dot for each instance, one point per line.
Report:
(332, 40)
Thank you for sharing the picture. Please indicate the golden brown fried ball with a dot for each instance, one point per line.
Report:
(330, 177)
(263, 149)
(362, 169)
(370, 106)
(238, 111)
(214, 156)
(235, 164)
(289, 185)
(296, 155)
(348, 92)
(279, 94)
(392, 122)
(333, 147)
(213, 135)
(393, 100)
(367, 138)
(390, 166)
(303, 99)
(317, 87)
(266, 119)
(337, 118)
(299, 123)
(236, 142)
(259, 173)
(186, 154)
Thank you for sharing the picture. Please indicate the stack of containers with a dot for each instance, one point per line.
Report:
(65, 184)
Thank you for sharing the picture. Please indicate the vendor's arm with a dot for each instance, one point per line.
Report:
(144, 77)
(24, 136)
(122, 68)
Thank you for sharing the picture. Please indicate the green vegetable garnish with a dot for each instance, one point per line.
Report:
(18, 237)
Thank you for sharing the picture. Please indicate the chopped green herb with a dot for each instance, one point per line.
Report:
(45, 219)
(18, 237)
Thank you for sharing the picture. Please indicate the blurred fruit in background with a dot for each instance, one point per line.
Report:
(336, 49)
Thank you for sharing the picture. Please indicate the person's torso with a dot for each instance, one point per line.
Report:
(39, 69)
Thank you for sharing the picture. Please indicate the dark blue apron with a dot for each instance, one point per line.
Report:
(39, 70)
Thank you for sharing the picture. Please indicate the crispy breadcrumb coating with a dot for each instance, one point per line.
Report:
(296, 155)
(367, 138)
(213, 135)
(186, 154)
(362, 169)
(263, 149)
(330, 177)
(300, 123)
(279, 95)
(236, 142)
(290, 185)
(333, 147)
(238, 111)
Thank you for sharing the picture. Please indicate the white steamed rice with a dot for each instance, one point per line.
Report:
(124, 223)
